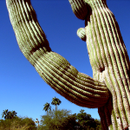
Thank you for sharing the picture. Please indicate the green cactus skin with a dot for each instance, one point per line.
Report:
(81, 33)
(110, 63)
(79, 8)
(109, 90)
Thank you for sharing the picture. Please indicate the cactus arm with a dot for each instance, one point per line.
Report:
(53, 68)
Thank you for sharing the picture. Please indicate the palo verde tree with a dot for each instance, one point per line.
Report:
(109, 89)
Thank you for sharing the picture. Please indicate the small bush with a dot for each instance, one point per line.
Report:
(18, 124)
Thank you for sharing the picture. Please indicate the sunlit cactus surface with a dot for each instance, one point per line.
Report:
(109, 89)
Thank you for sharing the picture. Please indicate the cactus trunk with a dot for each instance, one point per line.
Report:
(110, 63)
(109, 89)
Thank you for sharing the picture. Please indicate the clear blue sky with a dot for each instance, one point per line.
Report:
(21, 88)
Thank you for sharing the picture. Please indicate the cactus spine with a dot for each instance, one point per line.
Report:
(109, 90)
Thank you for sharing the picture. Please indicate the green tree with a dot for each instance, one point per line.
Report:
(29, 122)
(63, 120)
(47, 107)
(9, 114)
(86, 122)
(58, 120)
(18, 123)
(55, 101)
(98, 124)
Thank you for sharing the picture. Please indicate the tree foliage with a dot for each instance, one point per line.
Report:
(47, 107)
(58, 120)
(86, 122)
(9, 114)
(12, 122)
(55, 101)
(64, 120)
(18, 123)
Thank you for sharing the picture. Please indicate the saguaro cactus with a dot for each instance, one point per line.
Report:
(109, 89)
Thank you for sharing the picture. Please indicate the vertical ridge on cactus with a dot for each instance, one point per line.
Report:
(110, 54)
(109, 89)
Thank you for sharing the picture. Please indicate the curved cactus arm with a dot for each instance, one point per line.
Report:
(53, 68)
